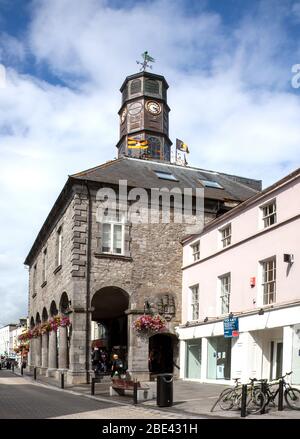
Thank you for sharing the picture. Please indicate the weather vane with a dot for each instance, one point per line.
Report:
(147, 58)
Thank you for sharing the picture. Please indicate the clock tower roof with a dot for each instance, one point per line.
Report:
(145, 75)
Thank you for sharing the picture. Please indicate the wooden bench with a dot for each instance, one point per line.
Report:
(124, 387)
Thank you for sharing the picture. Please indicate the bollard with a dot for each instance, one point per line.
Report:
(244, 401)
(264, 391)
(62, 380)
(93, 386)
(34, 373)
(22, 369)
(280, 396)
(135, 392)
(13, 368)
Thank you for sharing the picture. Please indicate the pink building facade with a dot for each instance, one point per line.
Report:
(245, 266)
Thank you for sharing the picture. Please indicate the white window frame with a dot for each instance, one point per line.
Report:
(267, 285)
(266, 216)
(113, 223)
(194, 304)
(44, 271)
(224, 292)
(59, 246)
(195, 253)
(225, 238)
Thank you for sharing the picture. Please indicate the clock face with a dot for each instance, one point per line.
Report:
(123, 115)
(135, 108)
(153, 107)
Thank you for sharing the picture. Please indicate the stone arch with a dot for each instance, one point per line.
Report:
(53, 309)
(44, 315)
(32, 324)
(108, 311)
(64, 303)
(38, 318)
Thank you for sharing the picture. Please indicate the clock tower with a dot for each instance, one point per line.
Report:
(144, 118)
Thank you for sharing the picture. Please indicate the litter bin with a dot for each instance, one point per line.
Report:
(164, 396)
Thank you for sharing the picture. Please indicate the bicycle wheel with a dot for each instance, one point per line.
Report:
(255, 402)
(226, 399)
(292, 397)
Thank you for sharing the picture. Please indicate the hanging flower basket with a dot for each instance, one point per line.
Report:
(45, 327)
(65, 321)
(148, 325)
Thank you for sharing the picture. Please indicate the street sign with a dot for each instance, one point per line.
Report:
(231, 327)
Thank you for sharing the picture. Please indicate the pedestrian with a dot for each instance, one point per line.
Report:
(117, 366)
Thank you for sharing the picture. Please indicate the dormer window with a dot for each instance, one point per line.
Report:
(165, 175)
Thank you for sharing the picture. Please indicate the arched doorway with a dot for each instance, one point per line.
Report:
(109, 305)
(161, 353)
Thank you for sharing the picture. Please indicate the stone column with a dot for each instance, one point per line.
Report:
(63, 348)
(138, 353)
(30, 356)
(38, 350)
(52, 362)
(45, 350)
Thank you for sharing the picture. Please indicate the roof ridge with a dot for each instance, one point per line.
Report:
(103, 165)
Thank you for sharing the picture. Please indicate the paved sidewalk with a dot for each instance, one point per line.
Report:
(190, 400)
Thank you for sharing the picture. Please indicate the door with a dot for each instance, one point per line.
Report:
(193, 364)
(276, 359)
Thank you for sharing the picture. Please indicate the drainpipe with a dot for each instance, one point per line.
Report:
(88, 274)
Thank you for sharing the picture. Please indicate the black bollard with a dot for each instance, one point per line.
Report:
(93, 386)
(34, 373)
(264, 391)
(62, 380)
(13, 368)
(135, 392)
(22, 369)
(280, 396)
(244, 401)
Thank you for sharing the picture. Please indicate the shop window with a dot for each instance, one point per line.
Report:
(193, 358)
(218, 358)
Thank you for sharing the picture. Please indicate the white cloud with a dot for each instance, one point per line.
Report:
(227, 95)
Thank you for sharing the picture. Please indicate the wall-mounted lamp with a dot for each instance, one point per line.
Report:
(261, 312)
(206, 319)
(230, 315)
(288, 258)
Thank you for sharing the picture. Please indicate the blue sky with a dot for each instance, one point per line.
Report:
(228, 64)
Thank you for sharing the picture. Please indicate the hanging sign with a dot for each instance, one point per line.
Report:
(231, 327)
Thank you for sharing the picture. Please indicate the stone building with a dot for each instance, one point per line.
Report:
(104, 272)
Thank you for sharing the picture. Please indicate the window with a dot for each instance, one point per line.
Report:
(44, 274)
(226, 235)
(113, 234)
(269, 281)
(225, 284)
(59, 247)
(34, 280)
(165, 175)
(269, 214)
(211, 183)
(196, 250)
(195, 302)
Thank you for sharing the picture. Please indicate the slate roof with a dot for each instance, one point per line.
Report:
(141, 173)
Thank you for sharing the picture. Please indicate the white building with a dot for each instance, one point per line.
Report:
(7, 340)
(245, 264)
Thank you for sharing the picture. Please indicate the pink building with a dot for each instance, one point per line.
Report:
(244, 266)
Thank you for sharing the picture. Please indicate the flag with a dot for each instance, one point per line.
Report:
(181, 146)
(136, 143)
(147, 57)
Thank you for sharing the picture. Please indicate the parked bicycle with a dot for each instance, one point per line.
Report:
(291, 394)
(232, 398)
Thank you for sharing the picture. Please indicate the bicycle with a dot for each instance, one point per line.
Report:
(291, 394)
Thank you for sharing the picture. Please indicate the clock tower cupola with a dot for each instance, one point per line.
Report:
(144, 118)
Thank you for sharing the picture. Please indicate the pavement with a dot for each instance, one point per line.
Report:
(191, 400)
